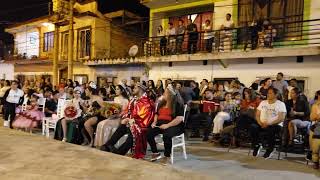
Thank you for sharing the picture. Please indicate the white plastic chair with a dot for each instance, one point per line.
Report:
(179, 141)
(49, 122)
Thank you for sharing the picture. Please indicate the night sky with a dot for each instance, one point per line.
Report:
(13, 11)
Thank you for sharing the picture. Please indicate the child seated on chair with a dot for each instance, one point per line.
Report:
(167, 121)
(30, 118)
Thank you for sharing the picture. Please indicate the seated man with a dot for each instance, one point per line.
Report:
(270, 113)
(207, 114)
(299, 111)
(138, 116)
(168, 121)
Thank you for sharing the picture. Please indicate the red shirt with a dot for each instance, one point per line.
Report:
(165, 114)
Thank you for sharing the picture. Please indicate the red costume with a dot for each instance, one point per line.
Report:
(142, 111)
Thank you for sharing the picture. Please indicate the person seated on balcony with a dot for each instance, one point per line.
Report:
(314, 134)
(298, 113)
(171, 34)
(270, 113)
(138, 117)
(163, 40)
(167, 121)
(270, 34)
(227, 112)
(104, 128)
(208, 35)
(192, 37)
(267, 83)
(180, 36)
(226, 34)
(209, 108)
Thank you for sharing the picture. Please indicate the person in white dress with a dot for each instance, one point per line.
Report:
(105, 128)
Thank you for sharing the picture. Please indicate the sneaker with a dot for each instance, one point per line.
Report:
(165, 161)
(268, 154)
(5, 123)
(256, 151)
(64, 140)
(155, 157)
(309, 156)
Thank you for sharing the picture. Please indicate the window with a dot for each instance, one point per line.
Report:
(48, 41)
(84, 43)
(64, 46)
(287, 15)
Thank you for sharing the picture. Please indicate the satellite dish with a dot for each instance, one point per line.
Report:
(133, 50)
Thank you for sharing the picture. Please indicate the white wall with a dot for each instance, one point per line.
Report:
(6, 71)
(246, 70)
(27, 42)
(121, 72)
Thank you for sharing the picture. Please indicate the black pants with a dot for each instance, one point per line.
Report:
(167, 136)
(269, 134)
(192, 44)
(125, 147)
(209, 44)
(163, 46)
(204, 120)
(9, 110)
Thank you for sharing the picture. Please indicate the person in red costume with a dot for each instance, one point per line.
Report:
(135, 122)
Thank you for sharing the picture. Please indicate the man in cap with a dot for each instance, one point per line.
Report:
(135, 121)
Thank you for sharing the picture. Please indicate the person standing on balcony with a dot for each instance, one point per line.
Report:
(226, 34)
(180, 36)
(193, 37)
(163, 40)
(171, 34)
(208, 35)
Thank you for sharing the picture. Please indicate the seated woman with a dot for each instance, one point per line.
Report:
(168, 121)
(299, 113)
(104, 128)
(30, 118)
(78, 103)
(94, 116)
(248, 107)
(314, 137)
(227, 107)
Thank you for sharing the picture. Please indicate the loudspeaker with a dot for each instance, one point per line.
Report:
(205, 62)
(299, 59)
(170, 64)
(260, 60)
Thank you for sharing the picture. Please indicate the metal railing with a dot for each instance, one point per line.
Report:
(290, 34)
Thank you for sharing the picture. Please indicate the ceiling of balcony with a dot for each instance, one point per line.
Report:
(164, 3)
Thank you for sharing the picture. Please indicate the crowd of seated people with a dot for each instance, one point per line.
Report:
(123, 117)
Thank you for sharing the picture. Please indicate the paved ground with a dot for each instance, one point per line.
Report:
(25, 156)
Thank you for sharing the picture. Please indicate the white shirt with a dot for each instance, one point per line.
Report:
(270, 112)
(171, 31)
(207, 35)
(14, 96)
(228, 24)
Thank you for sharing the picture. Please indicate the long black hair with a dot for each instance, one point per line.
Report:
(124, 92)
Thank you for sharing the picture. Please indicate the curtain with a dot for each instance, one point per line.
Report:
(294, 13)
(245, 12)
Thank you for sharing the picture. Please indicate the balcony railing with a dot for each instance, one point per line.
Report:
(293, 34)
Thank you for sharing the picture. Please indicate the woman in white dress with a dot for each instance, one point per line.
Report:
(105, 128)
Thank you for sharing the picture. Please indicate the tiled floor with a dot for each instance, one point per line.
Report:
(25, 156)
